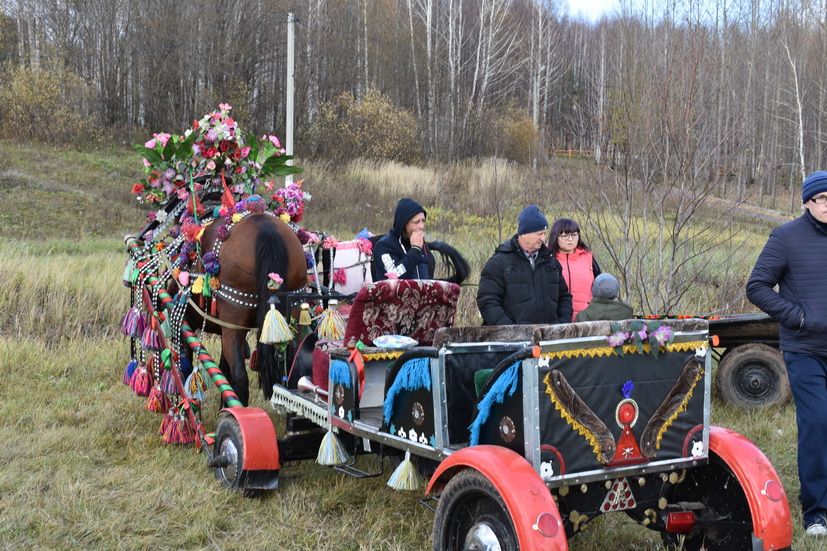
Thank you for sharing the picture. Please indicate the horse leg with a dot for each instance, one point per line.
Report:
(233, 346)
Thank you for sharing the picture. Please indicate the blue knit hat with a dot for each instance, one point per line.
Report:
(814, 184)
(531, 220)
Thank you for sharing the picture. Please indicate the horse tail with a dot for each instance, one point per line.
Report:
(271, 257)
(453, 260)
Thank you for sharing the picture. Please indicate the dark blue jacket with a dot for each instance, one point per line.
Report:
(795, 259)
(511, 292)
(393, 252)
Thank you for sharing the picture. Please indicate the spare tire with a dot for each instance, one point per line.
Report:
(753, 376)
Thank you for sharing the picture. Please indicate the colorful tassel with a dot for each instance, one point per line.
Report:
(141, 381)
(331, 323)
(185, 434)
(150, 340)
(126, 278)
(129, 370)
(275, 329)
(129, 324)
(155, 400)
(169, 434)
(406, 477)
(194, 386)
(168, 382)
(304, 315)
(332, 451)
(165, 423)
(137, 329)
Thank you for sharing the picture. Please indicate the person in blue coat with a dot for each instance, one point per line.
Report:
(401, 253)
(795, 259)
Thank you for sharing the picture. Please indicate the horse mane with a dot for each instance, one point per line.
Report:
(452, 260)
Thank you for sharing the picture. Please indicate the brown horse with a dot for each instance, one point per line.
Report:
(257, 246)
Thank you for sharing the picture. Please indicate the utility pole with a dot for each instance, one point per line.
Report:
(290, 92)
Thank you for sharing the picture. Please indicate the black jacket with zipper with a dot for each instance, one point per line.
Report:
(512, 292)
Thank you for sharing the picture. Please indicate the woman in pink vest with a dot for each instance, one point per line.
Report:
(579, 266)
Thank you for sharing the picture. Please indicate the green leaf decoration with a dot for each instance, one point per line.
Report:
(636, 326)
(614, 327)
(619, 350)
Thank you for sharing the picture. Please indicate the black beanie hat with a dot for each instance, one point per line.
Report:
(531, 220)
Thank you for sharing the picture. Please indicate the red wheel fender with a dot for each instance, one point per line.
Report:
(261, 452)
(766, 496)
(523, 491)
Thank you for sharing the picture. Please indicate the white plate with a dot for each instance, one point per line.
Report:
(394, 341)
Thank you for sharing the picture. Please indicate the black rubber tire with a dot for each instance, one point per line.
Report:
(468, 499)
(228, 438)
(715, 486)
(753, 376)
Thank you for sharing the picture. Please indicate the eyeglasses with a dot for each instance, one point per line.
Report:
(819, 199)
(571, 235)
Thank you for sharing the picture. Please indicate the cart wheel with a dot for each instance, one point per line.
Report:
(723, 517)
(753, 375)
(472, 515)
(228, 452)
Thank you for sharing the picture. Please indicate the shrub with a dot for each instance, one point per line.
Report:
(49, 105)
(513, 136)
(372, 128)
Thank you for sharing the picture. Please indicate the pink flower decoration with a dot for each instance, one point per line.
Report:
(147, 164)
(225, 106)
(617, 339)
(364, 245)
(276, 278)
(275, 141)
(162, 138)
(329, 242)
(150, 144)
(245, 151)
(340, 277)
(663, 334)
(182, 194)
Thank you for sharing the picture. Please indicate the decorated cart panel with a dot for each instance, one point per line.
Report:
(576, 406)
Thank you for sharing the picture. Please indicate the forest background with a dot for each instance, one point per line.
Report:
(677, 133)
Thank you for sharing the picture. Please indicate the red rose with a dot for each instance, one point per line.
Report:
(138, 188)
(210, 152)
(224, 146)
(195, 124)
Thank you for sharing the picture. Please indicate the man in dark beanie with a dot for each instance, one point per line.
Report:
(795, 259)
(523, 282)
(401, 253)
(605, 305)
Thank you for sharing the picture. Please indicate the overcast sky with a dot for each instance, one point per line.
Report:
(591, 10)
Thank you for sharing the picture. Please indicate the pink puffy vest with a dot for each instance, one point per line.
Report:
(579, 276)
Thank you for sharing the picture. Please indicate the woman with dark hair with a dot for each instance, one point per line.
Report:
(579, 266)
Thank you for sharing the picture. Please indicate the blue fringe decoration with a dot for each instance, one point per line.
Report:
(413, 374)
(340, 373)
(505, 384)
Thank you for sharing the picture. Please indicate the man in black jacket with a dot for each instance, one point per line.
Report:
(523, 282)
(401, 253)
(795, 259)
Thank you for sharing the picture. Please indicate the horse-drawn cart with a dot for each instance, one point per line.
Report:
(525, 433)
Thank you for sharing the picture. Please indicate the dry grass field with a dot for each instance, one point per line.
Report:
(81, 462)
